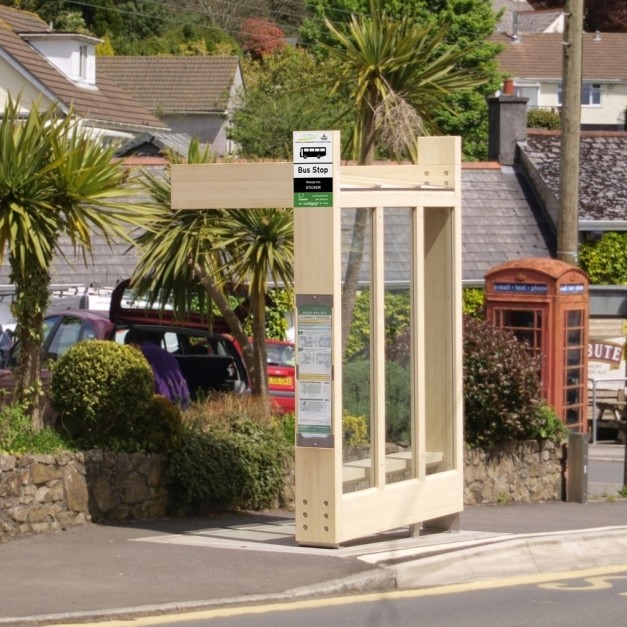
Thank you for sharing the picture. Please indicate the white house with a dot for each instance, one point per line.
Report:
(44, 66)
(534, 61)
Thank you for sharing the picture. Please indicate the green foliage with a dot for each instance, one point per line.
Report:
(547, 425)
(397, 311)
(543, 118)
(605, 260)
(354, 430)
(287, 424)
(159, 429)
(472, 302)
(501, 387)
(467, 24)
(276, 322)
(356, 396)
(18, 436)
(231, 456)
(289, 90)
(99, 387)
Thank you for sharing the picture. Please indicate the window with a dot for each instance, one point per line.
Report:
(590, 94)
(528, 91)
(82, 62)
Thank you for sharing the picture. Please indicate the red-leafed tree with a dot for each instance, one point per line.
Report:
(261, 37)
(607, 16)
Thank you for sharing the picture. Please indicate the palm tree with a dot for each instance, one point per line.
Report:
(216, 250)
(396, 70)
(260, 243)
(54, 180)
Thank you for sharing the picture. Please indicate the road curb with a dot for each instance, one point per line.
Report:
(519, 555)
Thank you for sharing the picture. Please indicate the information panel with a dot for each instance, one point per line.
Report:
(314, 370)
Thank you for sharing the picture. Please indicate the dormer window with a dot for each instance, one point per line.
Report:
(73, 54)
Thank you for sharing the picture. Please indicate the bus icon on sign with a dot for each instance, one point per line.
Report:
(314, 151)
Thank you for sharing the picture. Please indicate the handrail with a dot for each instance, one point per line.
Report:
(594, 380)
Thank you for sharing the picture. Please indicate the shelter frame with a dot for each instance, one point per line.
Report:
(432, 495)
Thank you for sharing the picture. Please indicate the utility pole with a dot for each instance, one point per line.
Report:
(568, 217)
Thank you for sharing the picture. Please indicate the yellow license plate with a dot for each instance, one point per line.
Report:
(280, 381)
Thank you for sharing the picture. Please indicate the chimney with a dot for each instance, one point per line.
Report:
(507, 119)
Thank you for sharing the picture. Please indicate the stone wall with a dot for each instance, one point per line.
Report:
(520, 472)
(48, 493)
(52, 492)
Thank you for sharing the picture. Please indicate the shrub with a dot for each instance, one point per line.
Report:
(472, 302)
(159, 429)
(18, 436)
(605, 260)
(356, 395)
(98, 388)
(232, 455)
(354, 430)
(543, 118)
(501, 386)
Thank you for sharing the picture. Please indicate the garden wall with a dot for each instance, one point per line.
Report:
(52, 492)
(47, 493)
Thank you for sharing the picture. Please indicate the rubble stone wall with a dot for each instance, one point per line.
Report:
(519, 472)
(52, 492)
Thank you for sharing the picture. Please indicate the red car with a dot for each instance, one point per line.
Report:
(281, 358)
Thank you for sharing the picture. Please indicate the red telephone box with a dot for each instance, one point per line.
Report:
(545, 303)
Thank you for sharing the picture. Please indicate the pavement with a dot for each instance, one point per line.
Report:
(96, 572)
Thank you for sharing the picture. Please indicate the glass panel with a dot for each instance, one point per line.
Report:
(573, 318)
(356, 369)
(573, 376)
(517, 319)
(573, 337)
(573, 357)
(398, 341)
(67, 335)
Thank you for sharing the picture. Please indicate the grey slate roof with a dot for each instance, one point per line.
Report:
(501, 221)
(602, 168)
(108, 103)
(174, 84)
(536, 21)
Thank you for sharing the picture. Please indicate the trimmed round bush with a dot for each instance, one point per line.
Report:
(160, 428)
(98, 387)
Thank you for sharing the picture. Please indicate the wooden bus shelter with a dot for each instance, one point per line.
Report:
(430, 490)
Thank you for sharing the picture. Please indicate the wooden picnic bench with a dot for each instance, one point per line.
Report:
(611, 406)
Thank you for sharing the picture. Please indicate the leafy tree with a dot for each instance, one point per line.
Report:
(288, 91)
(467, 26)
(609, 16)
(214, 249)
(54, 180)
(261, 37)
(605, 260)
(397, 70)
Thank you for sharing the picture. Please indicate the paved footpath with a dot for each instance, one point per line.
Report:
(94, 571)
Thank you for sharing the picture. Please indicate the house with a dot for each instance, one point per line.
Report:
(192, 95)
(520, 17)
(534, 61)
(39, 64)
